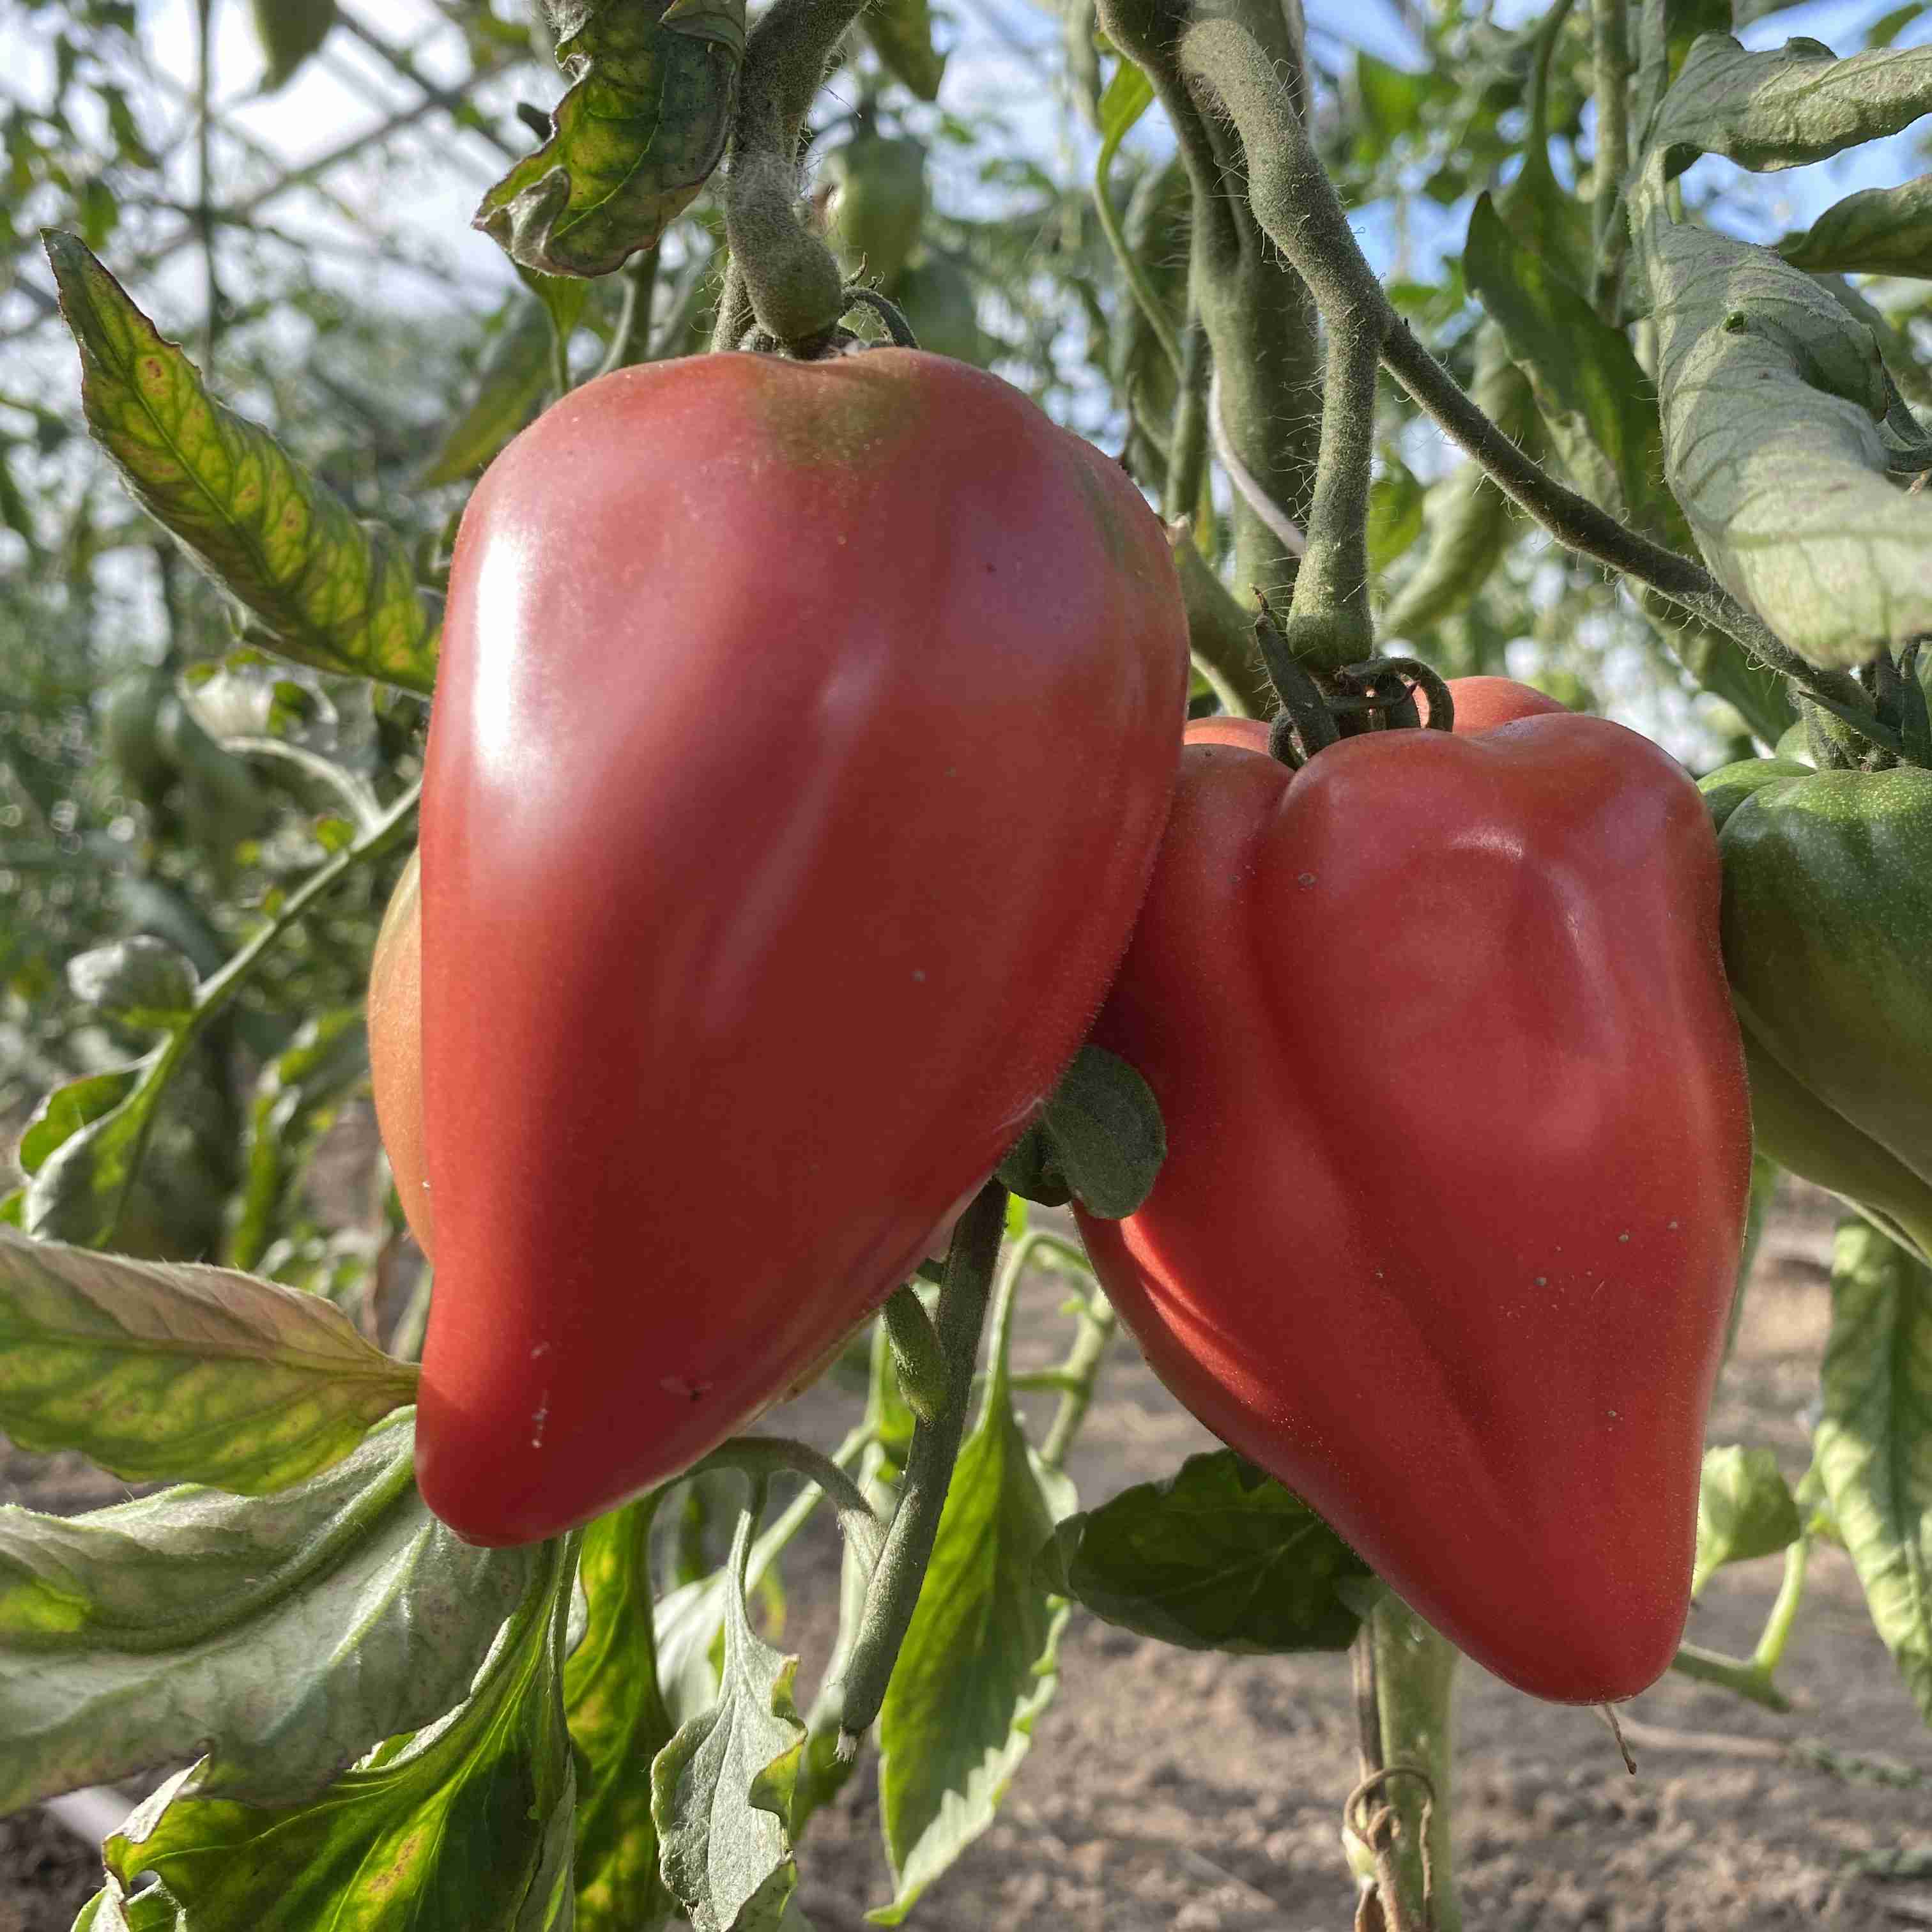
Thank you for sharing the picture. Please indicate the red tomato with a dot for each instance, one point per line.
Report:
(1458, 1155)
(802, 744)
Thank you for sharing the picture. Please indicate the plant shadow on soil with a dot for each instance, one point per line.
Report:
(1166, 1789)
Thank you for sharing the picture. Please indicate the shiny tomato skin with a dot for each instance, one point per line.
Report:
(801, 745)
(1459, 1152)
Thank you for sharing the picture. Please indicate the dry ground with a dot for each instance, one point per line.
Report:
(1170, 1790)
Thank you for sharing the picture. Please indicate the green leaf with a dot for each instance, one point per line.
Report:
(140, 982)
(1785, 109)
(1874, 1441)
(1879, 231)
(1600, 409)
(290, 31)
(294, 1104)
(1392, 101)
(1130, 95)
(1469, 521)
(319, 587)
(721, 1790)
(1592, 392)
(1100, 1139)
(1771, 397)
(283, 1636)
(160, 1372)
(632, 142)
(1395, 514)
(1216, 1557)
(1552, 226)
(515, 378)
(1744, 1510)
(900, 32)
(980, 1661)
(466, 1824)
(1888, 27)
(68, 1109)
(618, 1721)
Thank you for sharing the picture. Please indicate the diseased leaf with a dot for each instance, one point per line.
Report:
(637, 135)
(161, 1373)
(1879, 231)
(1215, 1558)
(318, 586)
(1796, 104)
(980, 1661)
(1744, 1510)
(721, 1790)
(1772, 397)
(1874, 1441)
(466, 1824)
(283, 1636)
(618, 1721)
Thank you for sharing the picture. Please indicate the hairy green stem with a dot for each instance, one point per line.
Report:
(917, 1358)
(631, 336)
(1254, 307)
(1735, 1674)
(893, 1594)
(1329, 623)
(1609, 33)
(1145, 300)
(1415, 1680)
(1777, 1634)
(761, 1457)
(1296, 204)
(780, 270)
(1182, 493)
(1079, 1372)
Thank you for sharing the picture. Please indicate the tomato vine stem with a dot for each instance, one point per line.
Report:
(1296, 207)
(893, 1595)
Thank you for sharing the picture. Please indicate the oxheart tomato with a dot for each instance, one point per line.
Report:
(1458, 1159)
(801, 746)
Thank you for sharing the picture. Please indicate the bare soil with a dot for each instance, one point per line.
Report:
(1169, 1790)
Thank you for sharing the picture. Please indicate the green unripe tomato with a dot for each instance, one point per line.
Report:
(872, 193)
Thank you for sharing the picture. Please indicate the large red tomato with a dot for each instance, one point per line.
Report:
(801, 743)
(1458, 1153)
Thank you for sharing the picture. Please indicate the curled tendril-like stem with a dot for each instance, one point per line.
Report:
(1376, 1825)
(1386, 689)
(857, 295)
(1305, 724)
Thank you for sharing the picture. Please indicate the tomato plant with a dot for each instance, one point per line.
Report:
(1457, 1157)
(817, 892)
